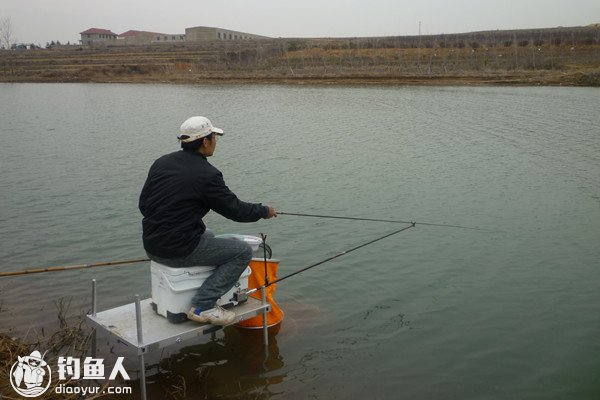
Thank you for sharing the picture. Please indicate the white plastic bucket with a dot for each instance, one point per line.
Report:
(174, 288)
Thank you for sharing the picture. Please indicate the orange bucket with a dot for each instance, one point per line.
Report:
(257, 279)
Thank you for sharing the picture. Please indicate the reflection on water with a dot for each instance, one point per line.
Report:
(233, 365)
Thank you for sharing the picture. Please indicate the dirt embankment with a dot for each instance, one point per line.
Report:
(443, 61)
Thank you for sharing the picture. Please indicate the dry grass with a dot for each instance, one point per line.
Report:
(70, 339)
(312, 61)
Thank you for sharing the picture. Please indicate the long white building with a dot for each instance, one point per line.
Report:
(205, 33)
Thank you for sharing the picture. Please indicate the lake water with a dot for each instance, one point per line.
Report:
(508, 312)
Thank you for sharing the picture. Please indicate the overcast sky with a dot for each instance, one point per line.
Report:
(40, 21)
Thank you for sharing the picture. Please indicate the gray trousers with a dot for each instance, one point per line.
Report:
(229, 256)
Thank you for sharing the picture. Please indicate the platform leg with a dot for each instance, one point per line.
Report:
(94, 310)
(140, 337)
(264, 312)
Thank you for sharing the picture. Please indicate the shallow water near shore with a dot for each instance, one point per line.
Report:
(506, 312)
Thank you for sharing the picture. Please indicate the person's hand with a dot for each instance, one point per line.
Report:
(272, 213)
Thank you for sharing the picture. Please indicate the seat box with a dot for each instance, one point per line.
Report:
(174, 288)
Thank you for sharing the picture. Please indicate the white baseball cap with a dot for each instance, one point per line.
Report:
(195, 128)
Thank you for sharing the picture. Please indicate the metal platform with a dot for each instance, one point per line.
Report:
(157, 331)
(137, 325)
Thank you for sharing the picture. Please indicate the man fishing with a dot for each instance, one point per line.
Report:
(181, 188)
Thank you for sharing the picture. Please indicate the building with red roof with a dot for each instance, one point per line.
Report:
(94, 36)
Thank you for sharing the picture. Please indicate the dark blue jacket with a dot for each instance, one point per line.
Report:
(181, 188)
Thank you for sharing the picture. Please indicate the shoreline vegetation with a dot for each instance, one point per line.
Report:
(70, 338)
(554, 56)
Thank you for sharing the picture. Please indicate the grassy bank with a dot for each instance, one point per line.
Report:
(71, 338)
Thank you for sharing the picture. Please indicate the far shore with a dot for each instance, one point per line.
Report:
(535, 58)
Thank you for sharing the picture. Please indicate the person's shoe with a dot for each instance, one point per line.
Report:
(214, 316)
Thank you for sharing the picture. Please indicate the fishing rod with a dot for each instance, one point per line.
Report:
(139, 260)
(72, 267)
(376, 220)
(412, 225)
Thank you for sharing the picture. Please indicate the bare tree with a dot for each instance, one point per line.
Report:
(6, 30)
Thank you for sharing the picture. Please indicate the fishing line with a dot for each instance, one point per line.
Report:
(378, 220)
(412, 225)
